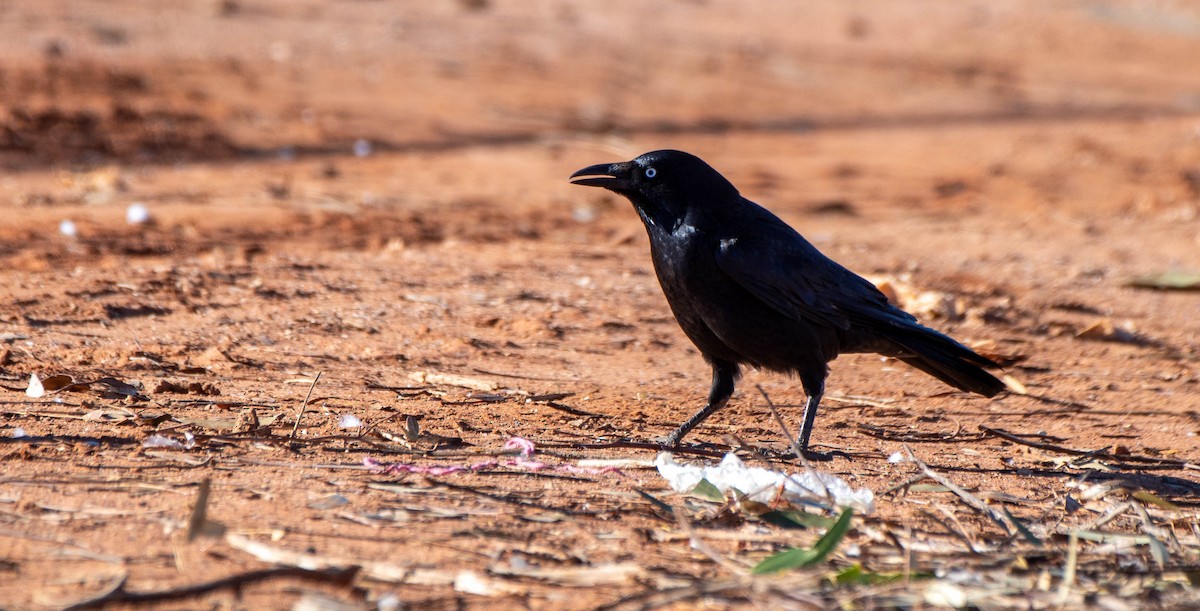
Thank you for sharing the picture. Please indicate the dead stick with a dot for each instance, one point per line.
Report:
(304, 405)
(699, 545)
(339, 576)
(957, 532)
(783, 427)
(1183, 464)
(1068, 580)
(796, 447)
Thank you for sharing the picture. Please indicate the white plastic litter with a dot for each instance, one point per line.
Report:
(67, 228)
(897, 457)
(35, 389)
(766, 485)
(349, 421)
(159, 441)
(137, 213)
(18, 433)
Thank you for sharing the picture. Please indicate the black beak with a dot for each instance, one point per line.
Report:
(614, 176)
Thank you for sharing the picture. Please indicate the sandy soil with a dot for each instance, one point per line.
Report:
(376, 194)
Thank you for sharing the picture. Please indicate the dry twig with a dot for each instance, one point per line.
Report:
(971, 500)
(118, 594)
(304, 405)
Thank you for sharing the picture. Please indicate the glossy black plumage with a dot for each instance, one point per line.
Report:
(748, 289)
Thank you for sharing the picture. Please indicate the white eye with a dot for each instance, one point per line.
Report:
(651, 172)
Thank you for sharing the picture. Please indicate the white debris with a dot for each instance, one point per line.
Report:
(35, 390)
(897, 457)
(18, 433)
(765, 485)
(67, 228)
(362, 147)
(349, 421)
(137, 214)
(389, 602)
(159, 441)
(945, 594)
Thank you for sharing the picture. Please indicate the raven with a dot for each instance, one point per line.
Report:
(748, 289)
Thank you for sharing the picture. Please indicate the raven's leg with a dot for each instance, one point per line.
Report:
(725, 374)
(815, 389)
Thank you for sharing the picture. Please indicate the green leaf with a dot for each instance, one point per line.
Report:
(796, 519)
(854, 575)
(654, 501)
(707, 491)
(1148, 497)
(799, 558)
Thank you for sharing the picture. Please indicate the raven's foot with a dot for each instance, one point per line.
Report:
(668, 442)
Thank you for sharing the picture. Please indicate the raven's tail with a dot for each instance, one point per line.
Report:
(945, 359)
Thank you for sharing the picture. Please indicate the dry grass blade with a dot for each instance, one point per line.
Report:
(304, 405)
(795, 445)
(1068, 580)
(76, 548)
(783, 427)
(919, 436)
(380, 571)
(971, 500)
(700, 546)
(951, 525)
(199, 510)
(577, 576)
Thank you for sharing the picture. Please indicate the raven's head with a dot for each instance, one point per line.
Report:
(663, 185)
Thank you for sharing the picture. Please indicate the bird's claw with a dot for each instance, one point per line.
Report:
(668, 442)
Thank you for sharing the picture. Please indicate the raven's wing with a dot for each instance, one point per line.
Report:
(780, 268)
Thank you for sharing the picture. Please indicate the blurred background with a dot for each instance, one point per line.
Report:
(360, 123)
(158, 80)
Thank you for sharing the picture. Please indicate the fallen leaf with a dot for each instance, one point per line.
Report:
(1177, 281)
(56, 382)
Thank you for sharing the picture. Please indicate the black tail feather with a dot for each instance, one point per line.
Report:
(947, 360)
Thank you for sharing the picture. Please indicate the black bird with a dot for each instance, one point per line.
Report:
(748, 289)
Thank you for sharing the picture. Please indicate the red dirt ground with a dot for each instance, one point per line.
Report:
(1008, 167)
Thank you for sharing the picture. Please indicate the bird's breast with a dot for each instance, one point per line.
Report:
(686, 264)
